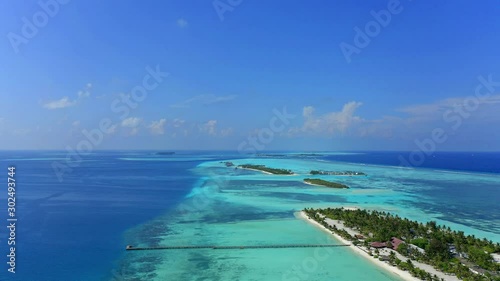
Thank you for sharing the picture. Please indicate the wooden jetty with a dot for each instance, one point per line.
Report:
(192, 247)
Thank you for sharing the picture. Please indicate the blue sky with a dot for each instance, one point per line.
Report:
(233, 64)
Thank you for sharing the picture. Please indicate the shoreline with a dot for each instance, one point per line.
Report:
(313, 184)
(405, 275)
(308, 183)
(293, 174)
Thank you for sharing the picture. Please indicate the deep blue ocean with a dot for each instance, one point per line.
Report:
(75, 227)
(482, 162)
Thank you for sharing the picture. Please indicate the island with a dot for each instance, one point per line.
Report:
(228, 163)
(425, 250)
(325, 183)
(300, 155)
(309, 155)
(271, 155)
(335, 173)
(165, 153)
(267, 170)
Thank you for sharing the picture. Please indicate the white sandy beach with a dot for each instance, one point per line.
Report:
(308, 183)
(293, 174)
(403, 274)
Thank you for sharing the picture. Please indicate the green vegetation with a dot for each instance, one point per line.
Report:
(334, 173)
(325, 183)
(266, 169)
(420, 242)
(448, 251)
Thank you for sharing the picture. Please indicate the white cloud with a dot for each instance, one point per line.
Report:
(308, 111)
(423, 118)
(158, 127)
(440, 106)
(332, 123)
(209, 127)
(182, 23)
(66, 101)
(86, 92)
(76, 124)
(57, 104)
(131, 122)
(83, 94)
(204, 99)
(420, 119)
(177, 123)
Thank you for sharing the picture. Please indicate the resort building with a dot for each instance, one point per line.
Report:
(496, 257)
(396, 242)
(359, 236)
(378, 245)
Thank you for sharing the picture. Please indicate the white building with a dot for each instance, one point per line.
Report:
(496, 257)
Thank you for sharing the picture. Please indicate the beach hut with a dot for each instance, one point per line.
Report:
(359, 236)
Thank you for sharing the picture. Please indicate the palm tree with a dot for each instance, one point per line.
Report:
(410, 264)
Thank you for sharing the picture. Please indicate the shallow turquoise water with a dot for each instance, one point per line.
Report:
(241, 207)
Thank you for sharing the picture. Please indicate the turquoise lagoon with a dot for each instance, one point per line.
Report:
(229, 206)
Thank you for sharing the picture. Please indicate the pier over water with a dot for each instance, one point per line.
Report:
(241, 247)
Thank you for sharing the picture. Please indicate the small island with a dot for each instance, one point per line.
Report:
(307, 155)
(271, 155)
(267, 170)
(165, 153)
(325, 183)
(228, 163)
(335, 173)
(300, 155)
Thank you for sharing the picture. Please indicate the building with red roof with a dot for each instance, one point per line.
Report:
(396, 242)
(378, 244)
